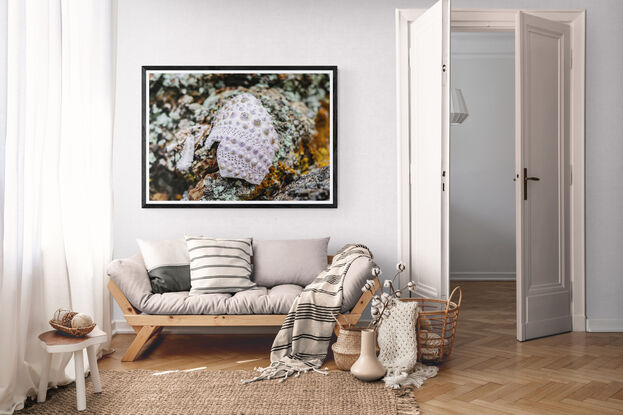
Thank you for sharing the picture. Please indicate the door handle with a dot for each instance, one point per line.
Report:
(525, 182)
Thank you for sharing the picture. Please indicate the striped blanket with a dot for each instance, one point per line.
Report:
(301, 344)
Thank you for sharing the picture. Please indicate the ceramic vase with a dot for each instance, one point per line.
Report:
(368, 367)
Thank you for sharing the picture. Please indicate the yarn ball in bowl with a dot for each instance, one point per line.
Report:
(81, 320)
(64, 317)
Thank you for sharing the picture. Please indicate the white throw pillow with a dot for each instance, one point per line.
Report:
(219, 265)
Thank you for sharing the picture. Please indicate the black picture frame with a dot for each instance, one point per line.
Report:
(331, 203)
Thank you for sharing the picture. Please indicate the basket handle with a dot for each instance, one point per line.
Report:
(458, 287)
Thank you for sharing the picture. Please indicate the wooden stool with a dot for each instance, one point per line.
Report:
(53, 342)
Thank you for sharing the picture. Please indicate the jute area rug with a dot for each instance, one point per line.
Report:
(220, 392)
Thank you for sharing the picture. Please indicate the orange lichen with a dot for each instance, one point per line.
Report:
(302, 164)
(320, 145)
(278, 176)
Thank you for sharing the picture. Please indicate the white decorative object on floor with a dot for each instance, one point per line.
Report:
(368, 367)
(53, 342)
(398, 343)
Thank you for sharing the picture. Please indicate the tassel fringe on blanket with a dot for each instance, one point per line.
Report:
(283, 370)
(303, 340)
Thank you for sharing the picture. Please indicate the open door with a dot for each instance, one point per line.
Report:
(543, 176)
(429, 74)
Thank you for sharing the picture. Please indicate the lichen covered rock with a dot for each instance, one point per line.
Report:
(198, 151)
(311, 186)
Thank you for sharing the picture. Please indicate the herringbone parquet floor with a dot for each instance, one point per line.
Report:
(491, 373)
(488, 373)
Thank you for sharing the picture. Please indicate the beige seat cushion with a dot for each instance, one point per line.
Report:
(131, 277)
(260, 300)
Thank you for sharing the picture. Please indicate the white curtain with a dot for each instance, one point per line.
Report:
(56, 103)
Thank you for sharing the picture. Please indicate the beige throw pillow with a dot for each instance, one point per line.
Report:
(288, 261)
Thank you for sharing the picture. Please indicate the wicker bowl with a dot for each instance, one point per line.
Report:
(70, 331)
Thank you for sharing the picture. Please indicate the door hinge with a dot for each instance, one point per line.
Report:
(444, 67)
(443, 181)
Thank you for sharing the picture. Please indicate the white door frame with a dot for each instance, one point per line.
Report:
(495, 20)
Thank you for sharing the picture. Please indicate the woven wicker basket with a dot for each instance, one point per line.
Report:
(347, 348)
(75, 332)
(436, 327)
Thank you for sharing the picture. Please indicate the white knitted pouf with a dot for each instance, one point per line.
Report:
(397, 341)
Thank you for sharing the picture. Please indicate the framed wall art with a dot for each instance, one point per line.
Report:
(255, 136)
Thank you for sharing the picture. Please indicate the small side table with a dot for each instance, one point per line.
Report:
(53, 342)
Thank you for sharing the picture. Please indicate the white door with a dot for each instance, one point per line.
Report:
(543, 176)
(429, 74)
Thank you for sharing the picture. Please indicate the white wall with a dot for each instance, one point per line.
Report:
(482, 158)
(358, 36)
(359, 40)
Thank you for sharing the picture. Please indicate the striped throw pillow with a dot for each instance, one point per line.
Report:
(219, 265)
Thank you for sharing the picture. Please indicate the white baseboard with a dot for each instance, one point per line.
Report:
(482, 276)
(604, 325)
(122, 327)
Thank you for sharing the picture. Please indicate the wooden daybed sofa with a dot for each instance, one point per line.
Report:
(130, 287)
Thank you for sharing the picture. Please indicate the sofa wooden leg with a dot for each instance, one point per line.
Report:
(157, 331)
(144, 334)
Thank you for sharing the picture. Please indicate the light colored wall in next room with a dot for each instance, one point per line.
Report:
(482, 158)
